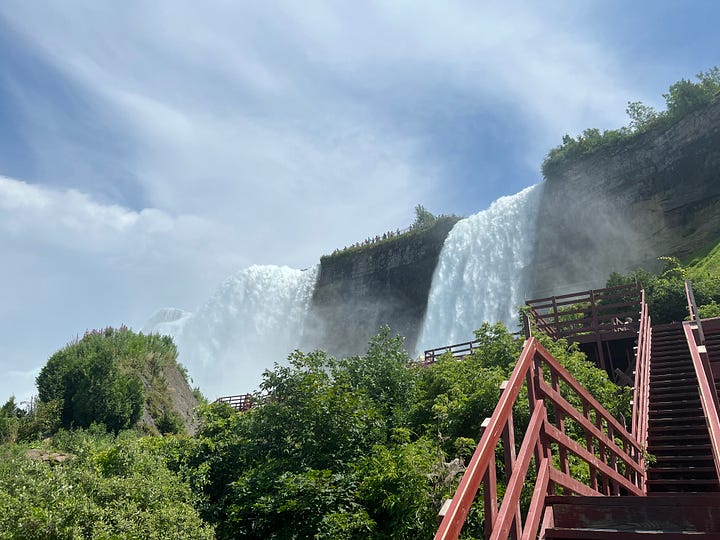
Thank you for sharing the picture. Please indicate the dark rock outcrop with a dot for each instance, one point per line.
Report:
(624, 205)
(388, 283)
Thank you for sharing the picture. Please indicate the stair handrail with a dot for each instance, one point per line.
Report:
(546, 380)
(703, 372)
(693, 309)
(708, 393)
(641, 389)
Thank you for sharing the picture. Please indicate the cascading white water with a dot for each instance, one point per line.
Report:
(482, 272)
(254, 319)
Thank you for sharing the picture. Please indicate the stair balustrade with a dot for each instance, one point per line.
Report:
(706, 385)
(557, 403)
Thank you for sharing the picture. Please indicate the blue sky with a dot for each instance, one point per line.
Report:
(148, 150)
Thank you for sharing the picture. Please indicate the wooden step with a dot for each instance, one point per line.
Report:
(679, 449)
(659, 438)
(682, 481)
(682, 473)
(660, 421)
(680, 430)
(653, 517)
(681, 404)
(667, 395)
(662, 370)
(681, 459)
(684, 382)
(619, 534)
(667, 358)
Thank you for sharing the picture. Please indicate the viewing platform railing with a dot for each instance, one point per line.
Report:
(585, 315)
(240, 403)
(641, 389)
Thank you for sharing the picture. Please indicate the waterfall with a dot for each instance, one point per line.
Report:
(254, 319)
(482, 274)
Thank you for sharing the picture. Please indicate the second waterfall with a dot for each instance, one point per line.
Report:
(483, 271)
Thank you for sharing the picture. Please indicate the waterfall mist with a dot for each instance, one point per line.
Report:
(254, 319)
(482, 274)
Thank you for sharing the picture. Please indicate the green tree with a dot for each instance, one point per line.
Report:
(423, 218)
(641, 116)
(10, 418)
(85, 377)
(685, 96)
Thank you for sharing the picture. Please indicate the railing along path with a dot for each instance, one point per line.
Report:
(612, 457)
(706, 383)
(587, 313)
(641, 395)
(240, 403)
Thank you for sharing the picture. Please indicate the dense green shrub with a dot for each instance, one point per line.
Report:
(86, 378)
(109, 489)
(110, 376)
(665, 290)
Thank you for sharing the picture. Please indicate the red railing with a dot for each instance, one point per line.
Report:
(641, 389)
(240, 403)
(459, 350)
(585, 315)
(558, 402)
(706, 384)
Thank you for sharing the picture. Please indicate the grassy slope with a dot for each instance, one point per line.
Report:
(707, 262)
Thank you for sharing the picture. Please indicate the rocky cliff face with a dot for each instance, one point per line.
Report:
(388, 283)
(625, 205)
(612, 211)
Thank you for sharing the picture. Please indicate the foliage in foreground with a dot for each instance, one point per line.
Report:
(107, 488)
(362, 447)
(365, 447)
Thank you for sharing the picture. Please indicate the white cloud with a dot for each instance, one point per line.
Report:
(72, 264)
(261, 133)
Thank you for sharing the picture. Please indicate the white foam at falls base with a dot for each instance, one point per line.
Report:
(254, 319)
(482, 273)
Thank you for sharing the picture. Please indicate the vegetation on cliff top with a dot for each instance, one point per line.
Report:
(682, 98)
(425, 222)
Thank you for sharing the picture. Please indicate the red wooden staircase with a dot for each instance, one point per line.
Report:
(678, 434)
(660, 481)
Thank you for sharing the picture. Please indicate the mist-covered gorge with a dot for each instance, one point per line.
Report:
(254, 318)
(615, 209)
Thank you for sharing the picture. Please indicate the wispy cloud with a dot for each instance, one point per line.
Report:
(158, 146)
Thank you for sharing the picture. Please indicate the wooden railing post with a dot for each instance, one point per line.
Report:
(489, 487)
(508, 440)
(590, 447)
(560, 424)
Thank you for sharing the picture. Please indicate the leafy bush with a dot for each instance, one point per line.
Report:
(86, 378)
(115, 489)
(665, 291)
(108, 377)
